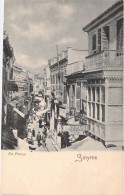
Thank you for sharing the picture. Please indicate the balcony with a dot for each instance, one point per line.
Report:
(74, 67)
(62, 56)
(104, 59)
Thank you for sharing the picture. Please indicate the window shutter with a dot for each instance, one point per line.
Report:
(105, 38)
(120, 34)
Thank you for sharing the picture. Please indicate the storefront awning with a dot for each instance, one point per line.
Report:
(18, 112)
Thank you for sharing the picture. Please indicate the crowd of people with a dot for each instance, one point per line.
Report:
(32, 136)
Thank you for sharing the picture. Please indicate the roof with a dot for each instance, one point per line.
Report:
(104, 16)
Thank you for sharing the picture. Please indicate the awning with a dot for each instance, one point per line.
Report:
(18, 112)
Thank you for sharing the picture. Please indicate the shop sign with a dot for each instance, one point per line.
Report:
(76, 129)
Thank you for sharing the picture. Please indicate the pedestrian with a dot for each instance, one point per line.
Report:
(38, 138)
(34, 115)
(33, 132)
(45, 131)
(29, 136)
(43, 139)
(40, 123)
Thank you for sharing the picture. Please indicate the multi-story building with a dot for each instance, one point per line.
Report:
(75, 67)
(21, 99)
(57, 67)
(99, 84)
(8, 140)
(38, 83)
(103, 72)
(47, 86)
(67, 63)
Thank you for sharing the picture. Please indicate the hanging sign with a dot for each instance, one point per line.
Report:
(76, 129)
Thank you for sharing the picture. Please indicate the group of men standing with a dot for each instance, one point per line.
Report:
(41, 135)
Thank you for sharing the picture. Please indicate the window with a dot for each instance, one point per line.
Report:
(105, 38)
(93, 106)
(78, 91)
(62, 77)
(65, 95)
(103, 94)
(97, 81)
(78, 105)
(99, 40)
(94, 42)
(83, 91)
(119, 35)
(51, 79)
(93, 93)
(56, 78)
(89, 93)
(72, 95)
(90, 109)
(103, 113)
(98, 94)
(97, 111)
(73, 90)
(84, 107)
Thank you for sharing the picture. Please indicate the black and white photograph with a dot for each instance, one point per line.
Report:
(62, 75)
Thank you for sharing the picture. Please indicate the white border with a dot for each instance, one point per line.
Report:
(1, 64)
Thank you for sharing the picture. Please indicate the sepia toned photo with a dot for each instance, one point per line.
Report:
(62, 75)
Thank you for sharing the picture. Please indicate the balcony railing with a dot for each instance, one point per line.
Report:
(104, 59)
(60, 57)
(74, 67)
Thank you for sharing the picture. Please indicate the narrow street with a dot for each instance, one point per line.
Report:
(50, 146)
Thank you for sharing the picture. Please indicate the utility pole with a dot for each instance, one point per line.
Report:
(58, 65)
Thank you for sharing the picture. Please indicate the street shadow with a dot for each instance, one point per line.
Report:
(80, 138)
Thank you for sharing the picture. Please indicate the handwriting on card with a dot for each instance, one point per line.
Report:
(81, 158)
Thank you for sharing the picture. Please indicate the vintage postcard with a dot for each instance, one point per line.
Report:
(62, 97)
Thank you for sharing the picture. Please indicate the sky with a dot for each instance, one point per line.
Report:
(35, 27)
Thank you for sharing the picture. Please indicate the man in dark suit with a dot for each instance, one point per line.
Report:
(38, 138)
(40, 123)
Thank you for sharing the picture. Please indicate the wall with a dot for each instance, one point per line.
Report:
(75, 55)
(113, 32)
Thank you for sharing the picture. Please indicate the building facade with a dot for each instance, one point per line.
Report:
(8, 139)
(47, 86)
(67, 63)
(99, 92)
(38, 83)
